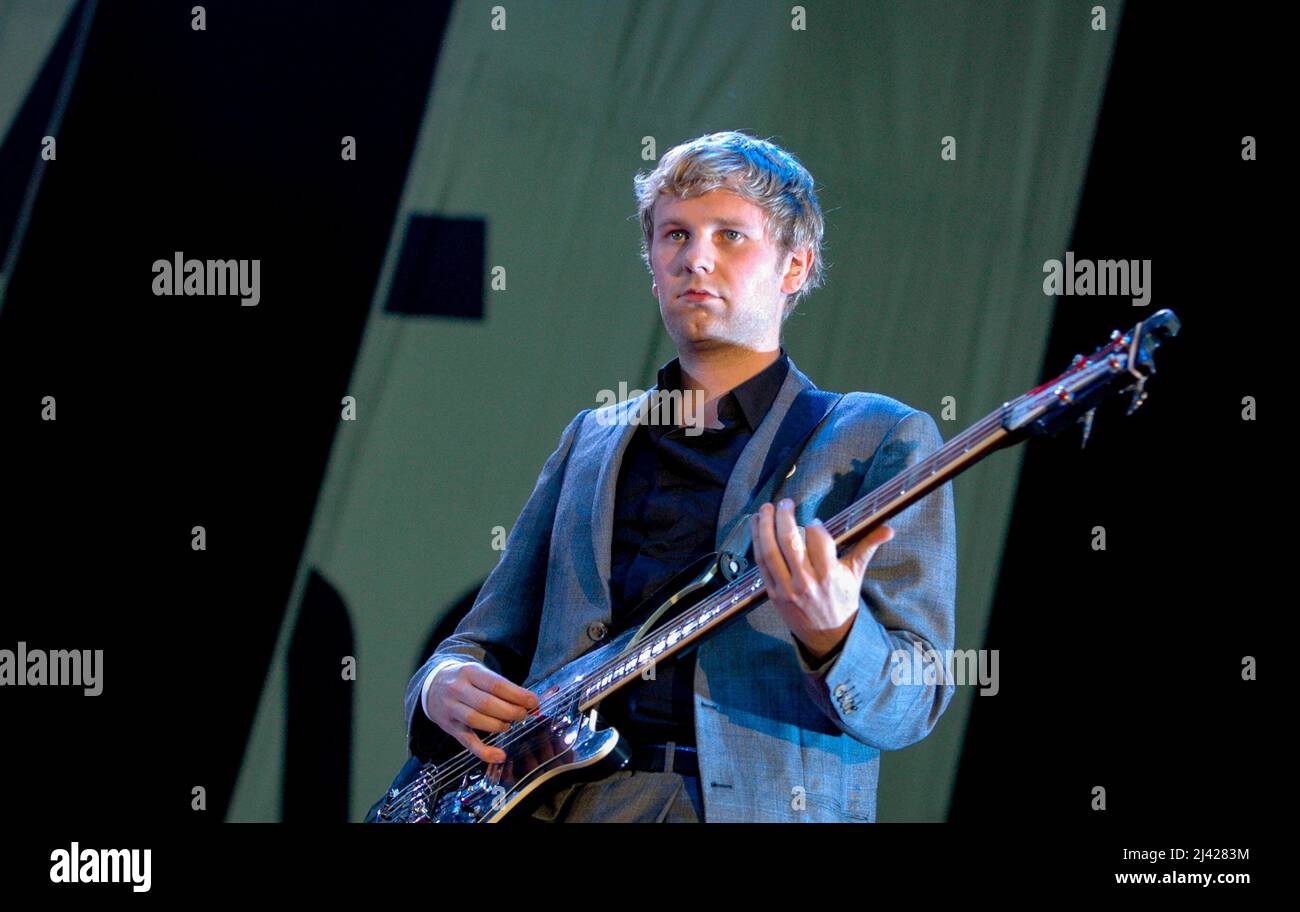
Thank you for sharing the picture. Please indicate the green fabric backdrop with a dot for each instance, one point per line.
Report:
(934, 287)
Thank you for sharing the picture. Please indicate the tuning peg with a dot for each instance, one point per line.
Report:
(1086, 421)
(1139, 396)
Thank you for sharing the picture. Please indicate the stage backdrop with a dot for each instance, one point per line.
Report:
(523, 171)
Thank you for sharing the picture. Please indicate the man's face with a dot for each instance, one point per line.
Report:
(716, 242)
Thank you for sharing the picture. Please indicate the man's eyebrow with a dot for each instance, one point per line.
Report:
(729, 223)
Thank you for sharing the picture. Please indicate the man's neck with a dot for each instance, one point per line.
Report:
(719, 371)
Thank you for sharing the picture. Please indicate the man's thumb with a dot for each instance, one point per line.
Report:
(864, 550)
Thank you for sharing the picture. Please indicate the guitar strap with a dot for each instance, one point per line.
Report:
(809, 411)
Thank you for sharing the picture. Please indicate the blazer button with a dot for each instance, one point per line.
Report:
(597, 631)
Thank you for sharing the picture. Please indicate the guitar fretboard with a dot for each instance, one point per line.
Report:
(747, 591)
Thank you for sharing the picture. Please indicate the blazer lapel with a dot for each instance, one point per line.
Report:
(744, 477)
(617, 437)
(739, 486)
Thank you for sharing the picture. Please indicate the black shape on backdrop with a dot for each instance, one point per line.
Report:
(447, 626)
(440, 270)
(318, 737)
(176, 412)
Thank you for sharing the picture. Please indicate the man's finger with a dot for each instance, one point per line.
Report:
(487, 680)
(776, 576)
(821, 549)
(491, 705)
(474, 744)
(790, 540)
(861, 554)
(472, 718)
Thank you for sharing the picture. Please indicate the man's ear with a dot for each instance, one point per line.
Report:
(797, 270)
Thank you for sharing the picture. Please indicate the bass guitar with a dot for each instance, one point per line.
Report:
(564, 738)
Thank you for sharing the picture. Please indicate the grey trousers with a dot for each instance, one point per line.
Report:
(627, 796)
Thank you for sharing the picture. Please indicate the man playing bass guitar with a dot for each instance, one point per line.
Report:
(782, 715)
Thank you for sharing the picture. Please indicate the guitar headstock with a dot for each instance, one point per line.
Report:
(1124, 364)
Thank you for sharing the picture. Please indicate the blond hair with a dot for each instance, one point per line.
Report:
(755, 169)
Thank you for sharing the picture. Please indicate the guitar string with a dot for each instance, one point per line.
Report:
(836, 525)
(848, 517)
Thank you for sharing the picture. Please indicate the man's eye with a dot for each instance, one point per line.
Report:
(737, 234)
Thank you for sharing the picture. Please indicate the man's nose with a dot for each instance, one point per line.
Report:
(698, 256)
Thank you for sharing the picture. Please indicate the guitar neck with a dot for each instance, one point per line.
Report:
(747, 591)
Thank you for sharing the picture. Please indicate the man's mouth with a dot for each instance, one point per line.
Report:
(699, 295)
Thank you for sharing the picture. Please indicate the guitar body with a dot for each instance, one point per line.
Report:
(560, 743)
(468, 790)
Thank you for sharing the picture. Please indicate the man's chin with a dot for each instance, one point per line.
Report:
(693, 326)
(702, 342)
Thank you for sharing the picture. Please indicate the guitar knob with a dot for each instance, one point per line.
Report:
(597, 631)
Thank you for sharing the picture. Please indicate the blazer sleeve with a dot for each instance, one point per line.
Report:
(500, 630)
(907, 603)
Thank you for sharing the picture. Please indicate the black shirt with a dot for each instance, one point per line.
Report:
(666, 507)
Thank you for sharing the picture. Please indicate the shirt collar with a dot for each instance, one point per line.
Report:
(750, 400)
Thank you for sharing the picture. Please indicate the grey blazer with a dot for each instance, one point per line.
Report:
(777, 740)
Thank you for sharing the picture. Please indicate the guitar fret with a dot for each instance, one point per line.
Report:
(706, 612)
(632, 664)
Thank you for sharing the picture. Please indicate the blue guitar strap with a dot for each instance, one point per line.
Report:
(806, 414)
